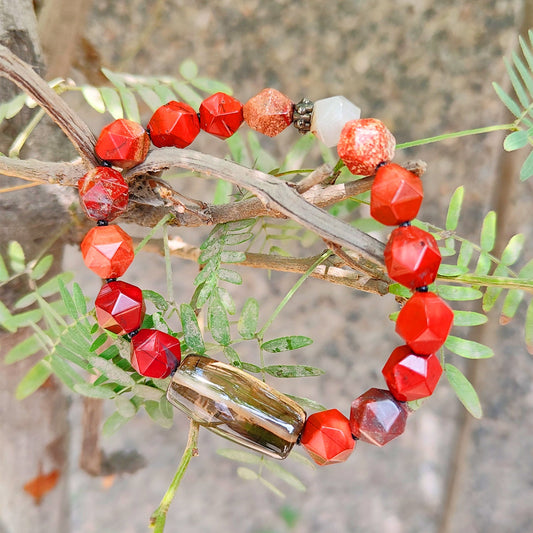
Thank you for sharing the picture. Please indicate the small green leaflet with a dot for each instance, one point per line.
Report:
(515, 140)
(510, 305)
(113, 424)
(191, 330)
(23, 349)
(15, 254)
(247, 325)
(188, 69)
(284, 474)
(527, 168)
(458, 293)
(464, 390)
(514, 248)
(454, 209)
(42, 267)
(467, 348)
(528, 328)
(292, 371)
(34, 378)
(240, 455)
(488, 232)
(217, 320)
(112, 102)
(283, 344)
(93, 97)
(468, 318)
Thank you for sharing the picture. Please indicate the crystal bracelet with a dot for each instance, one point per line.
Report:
(219, 396)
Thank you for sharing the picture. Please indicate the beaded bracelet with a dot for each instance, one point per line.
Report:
(221, 397)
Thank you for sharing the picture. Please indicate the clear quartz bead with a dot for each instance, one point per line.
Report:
(236, 405)
(329, 117)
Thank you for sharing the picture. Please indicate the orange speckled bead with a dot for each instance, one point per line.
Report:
(268, 112)
(364, 144)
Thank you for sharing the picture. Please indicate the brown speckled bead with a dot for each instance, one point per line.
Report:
(268, 112)
(364, 144)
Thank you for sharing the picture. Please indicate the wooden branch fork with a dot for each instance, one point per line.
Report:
(152, 198)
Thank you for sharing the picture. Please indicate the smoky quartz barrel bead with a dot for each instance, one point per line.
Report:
(236, 405)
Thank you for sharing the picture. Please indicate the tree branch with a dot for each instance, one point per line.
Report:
(20, 73)
(330, 270)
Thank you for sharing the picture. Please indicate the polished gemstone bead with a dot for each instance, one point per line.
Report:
(221, 115)
(412, 257)
(424, 322)
(107, 251)
(396, 195)
(377, 417)
(103, 193)
(364, 144)
(327, 437)
(329, 117)
(410, 376)
(119, 307)
(174, 124)
(268, 112)
(123, 143)
(155, 354)
(236, 405)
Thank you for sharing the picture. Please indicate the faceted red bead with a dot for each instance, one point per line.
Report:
(123, 143)
(327, 437)
(424, 322)
(174, 124)
(364, 144)
(221, 115)
(119, 307)
(412, 257)
(396, 195)
(268, 112)
(410, 376)
(103, 193)
(377, 417)
(155, 354)
(107, 251)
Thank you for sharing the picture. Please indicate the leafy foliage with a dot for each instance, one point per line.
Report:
(519, 72)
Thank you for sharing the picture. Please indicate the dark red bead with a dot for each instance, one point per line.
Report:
(119, 307)
(221, 115)
(412, 257)
(327, 437)
(396, 195)
(155, 354)
(174, 124)
(268, 112)
(410, 376)
(123, 143)
(103, 193)
(377, 417)
(107, 251)
(364, 144)
(424, 322)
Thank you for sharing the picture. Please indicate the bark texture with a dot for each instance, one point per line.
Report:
(35, 433)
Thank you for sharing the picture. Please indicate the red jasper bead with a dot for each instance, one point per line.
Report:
(377, 417)
(221, 115)
(364, 144)
(103, 193)
(412, 257)
(119, 307)
(410, 376)
(424, 322)
(107, 251)
(327, 437)
(396, 195)
(155, 354)
(174, 124)
(268, 112)
(123, 143)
